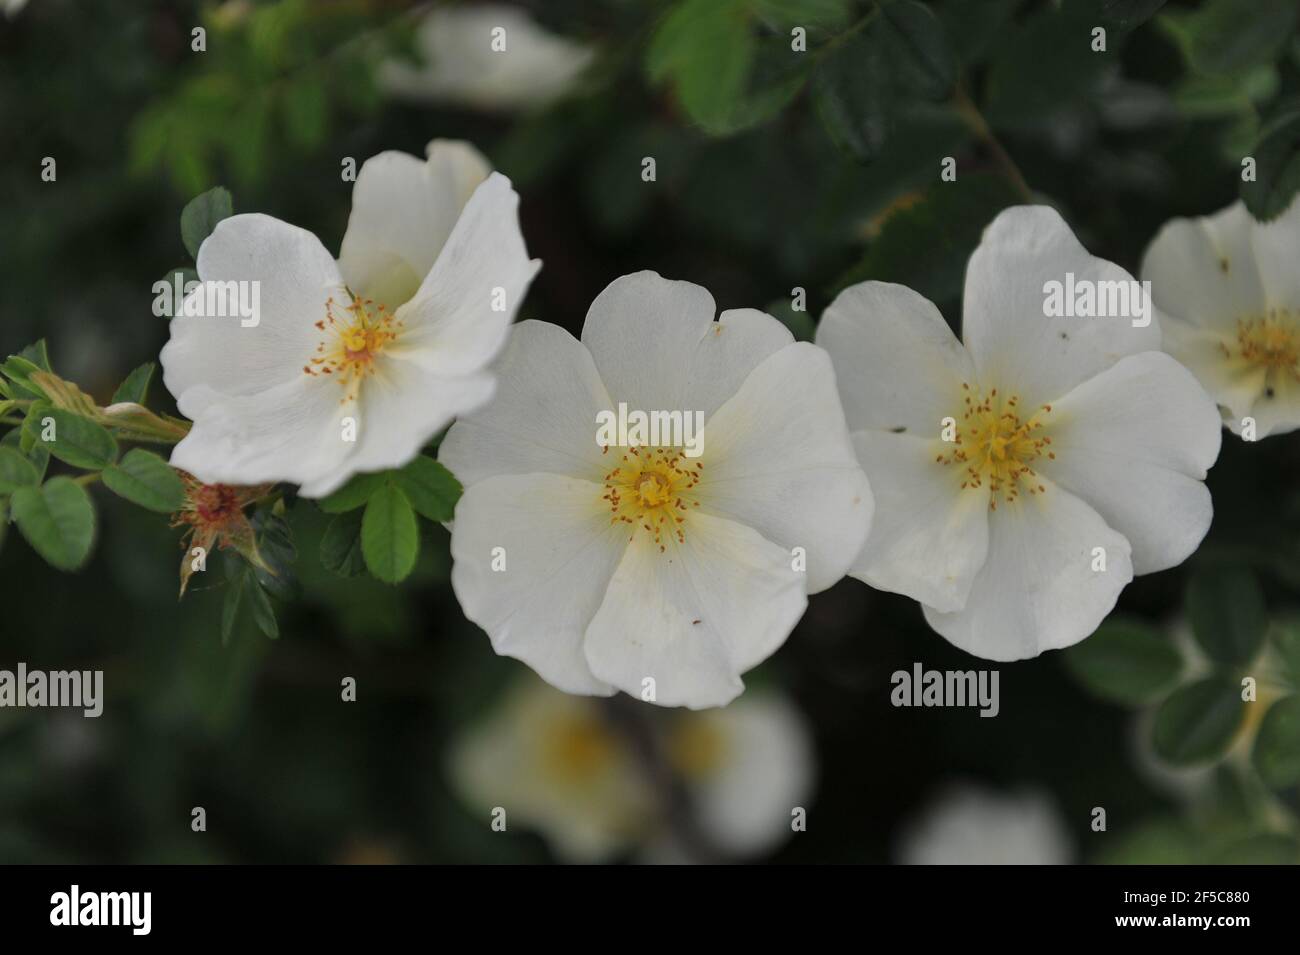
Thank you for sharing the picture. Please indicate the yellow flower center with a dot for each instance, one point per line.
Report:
(354, 336)
(697, 746)
(996, 447)
(651, 490)
(578, 747)
(1270, 342)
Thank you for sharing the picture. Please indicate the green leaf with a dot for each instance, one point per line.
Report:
(850, 89)
(263, 612)
(353, 494)
(38, 354)
(706, 50)
(18, 370)
(432, 490)
(1225, 607)
(16, 471)
(1197, 723)
(1285, 635)
(57, 520)
(1277, 747)
(201, 215)
(1125, 662)
(278, 552)
(390, 538)
(38, 456)
(30, 431)
(1043, 65)
(1277, 168)
(136, 385)
(340, 547)
(78, 441)
(167, 303)
(1217, 97)
(144, 478)
(1221, 37)
(231, 605)
(920, 56)
(1127, 14)
(785, 15)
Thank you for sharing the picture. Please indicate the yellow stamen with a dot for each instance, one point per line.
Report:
(1270, 342)
(995, 447)
(651, 490)
(354, 338)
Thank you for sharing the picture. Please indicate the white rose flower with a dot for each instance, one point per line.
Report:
(555, 764)
(560, 764)
(603, 569)
(352, 365)
(1230, 290)
(746, 767)
(972, 826)
(464, 62)
(1077, 455)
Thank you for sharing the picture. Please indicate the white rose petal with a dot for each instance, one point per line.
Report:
(898, 365)
(1003, 321)
(694, 617)
(403, 211)
(1135, 442)
(543, 416)
(560, 552)
(968, 825)
(462, 67)
(1037, 589)
(555, 764)
(763, 770)
(1229, 290)
(352, 366)
(813, 494)
(928, 540)
(1021, 483)
(569, 769)
(716, 553)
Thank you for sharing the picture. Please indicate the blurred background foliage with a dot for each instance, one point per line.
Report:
(775, 170)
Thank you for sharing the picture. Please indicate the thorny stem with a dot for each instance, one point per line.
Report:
(978, 125)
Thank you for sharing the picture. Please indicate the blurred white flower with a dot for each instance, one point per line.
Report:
(747, 767)
(971, 826)
(1074, 457)
(466, 62)
(554, 764)
(557, 764)
(1230, 289)
(395, 338)
(605, 568)
(12, 7)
